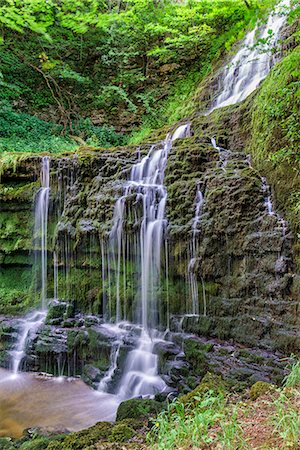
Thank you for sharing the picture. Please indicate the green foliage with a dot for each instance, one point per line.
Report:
(27, 133)
(122, 63)
(293, 378)
(275, 137)
(287, 419)
(184, 427)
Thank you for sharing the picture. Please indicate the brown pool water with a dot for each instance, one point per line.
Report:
(31, 400)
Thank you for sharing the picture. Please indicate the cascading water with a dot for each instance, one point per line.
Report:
(146, 184)
(32, 322)
(28, 325)
(191, 268)
(141, 370)
(253, 61)
(41, 224)
(266, 190)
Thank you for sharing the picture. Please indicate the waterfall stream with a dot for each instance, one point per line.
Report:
(253, 61)
(32, 322)
(194, 247)
(146, 183)
(41, 225)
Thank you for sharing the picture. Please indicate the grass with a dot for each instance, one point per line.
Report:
(207, 422)
(293, 378)
(224, 421)
(287, 419)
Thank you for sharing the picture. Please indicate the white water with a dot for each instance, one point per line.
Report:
(55, 276)
(118, 331)
(146, 183)
(32, 322)
(266, 190)
(29, 324)
(141, 371)
(41, 224)
(253, 61)
(191, 268)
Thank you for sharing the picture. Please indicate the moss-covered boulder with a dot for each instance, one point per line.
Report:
(59, 312)
(210, 382)
(260, 388)
(86, 438)
(121, 433)
(137, 408)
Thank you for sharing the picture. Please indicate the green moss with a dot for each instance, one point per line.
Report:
(37, 444)
(196, 355)
(83, 439)
(260, 388)
(275, 137)
(137, 408)
(121, 433)
(19, 192)
(15, 290)
(210, 382)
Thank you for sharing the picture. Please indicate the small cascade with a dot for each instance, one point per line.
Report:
(182, 132)
(191, 267)
(41, 224)
(36, 318)
(115, 351)
(265, 188)
(55, 276)
(141, 371)
(268, 202)
(29, 325)
(223, 154)
(252, 62)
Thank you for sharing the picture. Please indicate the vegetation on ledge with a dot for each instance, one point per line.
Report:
(87, 72)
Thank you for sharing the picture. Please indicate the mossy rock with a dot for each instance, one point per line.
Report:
(5, 444)
(210, 382)
(59, 311)
(121, 433)
(85, 438)
(196, 355)
(260, 388)
(137, 408)
(36, 444)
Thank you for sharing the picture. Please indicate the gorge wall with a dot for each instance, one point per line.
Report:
(244, 263)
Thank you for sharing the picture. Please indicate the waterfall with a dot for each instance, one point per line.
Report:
(29, 324)
(146, 185)
(41, 224)
(141, 371)
(34, 320)
(252, 63)
(55, 276)
(191, 267)
(266, 190)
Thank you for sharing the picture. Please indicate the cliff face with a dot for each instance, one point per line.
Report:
(244, 262)
(17, 191)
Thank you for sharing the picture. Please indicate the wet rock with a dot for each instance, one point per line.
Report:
(58, 312)
(92, 374)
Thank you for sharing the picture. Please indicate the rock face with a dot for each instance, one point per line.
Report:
(245, 260)
(243, 264)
